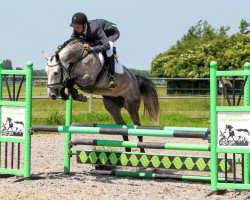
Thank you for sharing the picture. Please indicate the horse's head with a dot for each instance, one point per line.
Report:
(57, 67)
(54, 73)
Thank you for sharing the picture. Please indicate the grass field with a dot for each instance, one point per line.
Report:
(174, 112)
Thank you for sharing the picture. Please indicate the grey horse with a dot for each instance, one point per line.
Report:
(84, 67)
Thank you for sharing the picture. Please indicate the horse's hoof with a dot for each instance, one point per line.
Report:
(82, 98)
(65, 97)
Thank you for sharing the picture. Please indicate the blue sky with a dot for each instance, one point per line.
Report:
(147, 27)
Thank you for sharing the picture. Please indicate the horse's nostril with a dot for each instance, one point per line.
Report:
(53, 96)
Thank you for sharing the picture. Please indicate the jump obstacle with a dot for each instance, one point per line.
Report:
(110, 158)
(12, 143)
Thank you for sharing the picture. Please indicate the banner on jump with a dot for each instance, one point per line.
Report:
(234, 129)
(12, 121)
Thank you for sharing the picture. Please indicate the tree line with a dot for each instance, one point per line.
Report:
(7, 64)
(191, 55)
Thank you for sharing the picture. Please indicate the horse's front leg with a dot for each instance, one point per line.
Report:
(74, 93)
(62, 93)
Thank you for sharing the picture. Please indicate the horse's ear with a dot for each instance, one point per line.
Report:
(57, 56)
(45, 55)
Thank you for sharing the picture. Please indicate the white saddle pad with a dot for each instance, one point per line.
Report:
(118, 66)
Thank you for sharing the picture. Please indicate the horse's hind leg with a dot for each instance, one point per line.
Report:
(133, 110)
(114, 105)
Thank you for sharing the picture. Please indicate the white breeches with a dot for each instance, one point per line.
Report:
(110, 51)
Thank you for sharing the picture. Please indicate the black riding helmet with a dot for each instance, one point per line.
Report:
(78, 19)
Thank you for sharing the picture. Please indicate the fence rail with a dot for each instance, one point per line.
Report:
(167, 88)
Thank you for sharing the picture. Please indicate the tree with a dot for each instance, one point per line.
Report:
(190, 56)
(39, 72)
(244, 25)
(7, 64)
(144, 73)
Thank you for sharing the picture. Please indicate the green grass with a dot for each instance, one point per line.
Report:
(37, 91)
(161, 91)
(173, 113)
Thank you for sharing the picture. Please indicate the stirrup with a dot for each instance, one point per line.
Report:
(112, 81)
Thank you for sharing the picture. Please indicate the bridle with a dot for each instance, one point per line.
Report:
(64, 70)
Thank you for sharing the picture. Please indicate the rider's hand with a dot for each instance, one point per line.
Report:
(87, 47)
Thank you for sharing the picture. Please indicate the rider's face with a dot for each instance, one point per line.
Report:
(79, 28)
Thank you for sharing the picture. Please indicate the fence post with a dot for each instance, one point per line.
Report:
(67, 137)
(1, 96)
(213, 125)
(247, 103)
(28, 120)
(90, 103)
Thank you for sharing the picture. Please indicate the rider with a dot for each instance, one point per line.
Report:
(97, 35)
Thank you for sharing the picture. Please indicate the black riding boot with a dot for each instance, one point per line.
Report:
(112, 80)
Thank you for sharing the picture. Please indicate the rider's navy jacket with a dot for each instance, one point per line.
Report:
(99, 33)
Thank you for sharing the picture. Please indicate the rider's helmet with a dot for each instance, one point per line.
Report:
(78, 19)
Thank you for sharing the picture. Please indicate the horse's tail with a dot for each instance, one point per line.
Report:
(150, 98)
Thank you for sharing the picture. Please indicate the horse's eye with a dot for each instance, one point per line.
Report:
(56, 73)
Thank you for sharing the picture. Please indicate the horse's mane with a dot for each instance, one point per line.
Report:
(60, 47)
